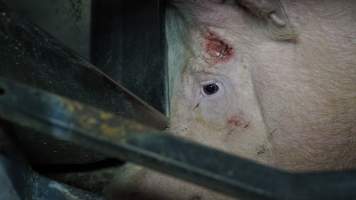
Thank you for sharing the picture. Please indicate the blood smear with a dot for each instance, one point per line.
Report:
(235, 121)
(217, 49)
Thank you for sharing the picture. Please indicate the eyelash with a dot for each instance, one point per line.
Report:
(204, 91)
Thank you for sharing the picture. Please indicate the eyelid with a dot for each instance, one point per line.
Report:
(220, 84)
(203, 78)
(202, 83)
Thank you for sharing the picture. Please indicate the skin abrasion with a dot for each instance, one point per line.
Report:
(237, 122)
(218, 51)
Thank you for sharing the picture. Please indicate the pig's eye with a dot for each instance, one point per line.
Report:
(210, 88)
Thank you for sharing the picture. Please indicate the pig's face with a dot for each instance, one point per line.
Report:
(215, 101)
(287, 104)
(291, 105)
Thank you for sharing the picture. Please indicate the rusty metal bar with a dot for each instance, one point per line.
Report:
(126, 139)
(31, 56)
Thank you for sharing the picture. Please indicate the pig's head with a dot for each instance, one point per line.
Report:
(289, 104)
(240, 87)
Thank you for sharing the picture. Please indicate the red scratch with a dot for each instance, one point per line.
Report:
(235, 121)
(217, 49)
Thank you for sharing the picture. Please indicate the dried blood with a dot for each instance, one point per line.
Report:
(217, 49)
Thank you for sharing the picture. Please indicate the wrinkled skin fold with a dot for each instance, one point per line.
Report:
(282, 97)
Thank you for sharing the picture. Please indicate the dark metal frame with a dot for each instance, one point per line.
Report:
(39, 78)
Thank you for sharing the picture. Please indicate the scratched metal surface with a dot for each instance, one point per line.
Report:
(123, 138)
(31, 56)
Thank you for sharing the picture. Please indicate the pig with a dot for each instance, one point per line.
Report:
(277, 89)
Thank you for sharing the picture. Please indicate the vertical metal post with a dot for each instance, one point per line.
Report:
(128, 43)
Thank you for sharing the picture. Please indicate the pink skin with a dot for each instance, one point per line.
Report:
(220, 52)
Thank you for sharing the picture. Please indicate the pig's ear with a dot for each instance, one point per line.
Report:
(273, 12)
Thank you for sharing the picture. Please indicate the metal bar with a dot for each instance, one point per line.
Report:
(19, 182)
(128, 140)
(31, 56)
(128, 43)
